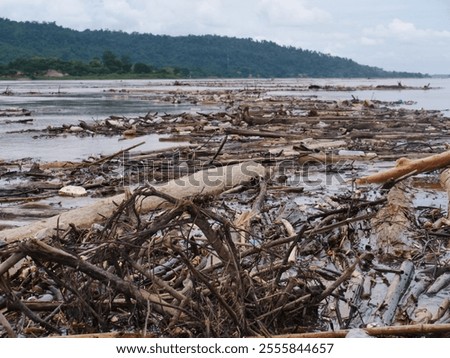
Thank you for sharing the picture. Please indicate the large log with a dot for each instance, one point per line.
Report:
(407, 330)
(208, 182)
(444, 179)
(405, 166)
(393, 226)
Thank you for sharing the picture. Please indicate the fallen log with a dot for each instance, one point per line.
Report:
(206, 182)
(396, 290)
(444, 179)
(263, 133)
(393, 227)
(408, 330)
(109, 335)
(405, 166)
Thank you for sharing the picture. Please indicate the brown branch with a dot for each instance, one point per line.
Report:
(345, 276)
(10, 262)
(224, 140)
(39, 249)
(16, 302)
(206, 281)
(4, 322)
(109, 157)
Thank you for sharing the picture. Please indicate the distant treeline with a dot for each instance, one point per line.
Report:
(108, 64)
(202, 56)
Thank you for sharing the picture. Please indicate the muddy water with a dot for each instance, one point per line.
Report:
(54, 103)
(72, 148)
(437, 98)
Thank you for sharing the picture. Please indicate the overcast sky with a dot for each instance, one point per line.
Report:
(402, 35)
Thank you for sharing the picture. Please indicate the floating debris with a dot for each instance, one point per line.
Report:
(14, 112)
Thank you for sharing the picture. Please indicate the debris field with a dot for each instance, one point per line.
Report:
(273, 215)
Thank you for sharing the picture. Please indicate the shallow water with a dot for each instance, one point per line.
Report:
(436, 98)
(54, 103)
(73, 148)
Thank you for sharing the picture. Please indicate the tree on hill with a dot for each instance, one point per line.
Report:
(205, 55)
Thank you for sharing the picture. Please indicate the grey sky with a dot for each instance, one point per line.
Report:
(411, 35)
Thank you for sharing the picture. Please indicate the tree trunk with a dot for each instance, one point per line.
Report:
(407, 166)
(209, 182)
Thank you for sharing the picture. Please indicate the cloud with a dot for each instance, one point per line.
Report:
(173, 17)
(403, 31)
(404, 46)
(75, 14)
(291, 13)
(370, 41)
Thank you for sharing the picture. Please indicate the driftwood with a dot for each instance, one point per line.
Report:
(445, 183)
(263, 133)
(152, 263)
(393, 331)
(244, 220)
(207, 182)
(4, 322)
(393, 224)
(36, 248)
(302, 251)
(405, 166)
(109, 157)
(396, 291)
(409, 330)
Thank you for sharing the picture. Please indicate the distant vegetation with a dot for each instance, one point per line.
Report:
(108, 66)
(33, 48)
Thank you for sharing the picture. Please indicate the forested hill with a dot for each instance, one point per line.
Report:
(198, 55)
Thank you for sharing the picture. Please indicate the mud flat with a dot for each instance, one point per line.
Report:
(266, 221)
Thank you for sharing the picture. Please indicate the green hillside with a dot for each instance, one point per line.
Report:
(194, 56)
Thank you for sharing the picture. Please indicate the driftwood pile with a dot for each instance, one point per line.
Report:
(267, 224)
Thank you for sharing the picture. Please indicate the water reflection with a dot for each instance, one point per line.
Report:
(73, 148)
(54, 103)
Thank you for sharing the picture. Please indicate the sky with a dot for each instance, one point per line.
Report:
(398, 35)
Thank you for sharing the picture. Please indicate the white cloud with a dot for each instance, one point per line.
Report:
(405, 31)
(367, 41)
(290, 13)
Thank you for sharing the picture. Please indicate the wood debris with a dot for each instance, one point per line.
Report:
(266, 222)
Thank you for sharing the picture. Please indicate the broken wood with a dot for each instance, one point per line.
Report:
(4, 322)
(396, 291)
(262, 133)
(243, 221)
(39, 249)
(299, 265)
(408, 330)
(393, 224)
(205, 182)
(444, 179)
(405, 166)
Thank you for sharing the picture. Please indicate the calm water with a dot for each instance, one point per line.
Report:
(54, 103)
